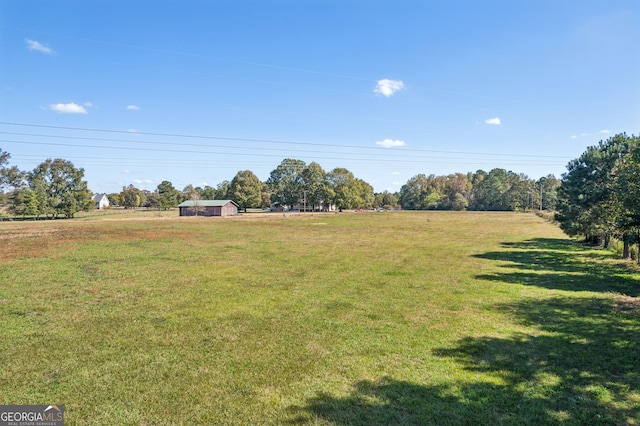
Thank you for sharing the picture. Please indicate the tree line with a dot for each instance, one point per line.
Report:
(599, 197)
(497, 190)
(292, 184)
(295, 184)
(56, 188)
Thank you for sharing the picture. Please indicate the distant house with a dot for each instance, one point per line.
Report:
(277, 207)
(208, 208)
(101, 200)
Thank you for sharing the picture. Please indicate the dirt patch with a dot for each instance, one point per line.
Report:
(21, 239)
(627, 305)
(41, 238)
(25, 232)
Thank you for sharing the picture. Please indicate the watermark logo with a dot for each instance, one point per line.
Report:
(31, 415)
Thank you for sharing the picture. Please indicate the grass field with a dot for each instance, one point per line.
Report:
(350, 319)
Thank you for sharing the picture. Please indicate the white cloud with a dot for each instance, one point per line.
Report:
(390, 143)
(581, 135)
(133, 108)
(388, 87)
(141, 181)
(70, 108)
(38, 47)
(395, 173)
(493, 121)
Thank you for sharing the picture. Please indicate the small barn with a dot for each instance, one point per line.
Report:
(208, 208)
(101, 200)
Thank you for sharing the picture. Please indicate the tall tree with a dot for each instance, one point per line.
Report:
(456, 192)
(222, 190)
(152, 201)
(414, 192)
(66, 192)
(45, 203)
(489, 191)
(115, 199)
(246, 189)
(287, 183)
(343, 184)
(168, 195)
(586, 197)
(423, 192)
(265, 195)
(4, 160)
(315, 185)
(207, 193)
(521, 194)
(548, 187)
(23, 202)
(626, 189)
(364, 193)
(131, 197)
(190, 193)
(10, 177)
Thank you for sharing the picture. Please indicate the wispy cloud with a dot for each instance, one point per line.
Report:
(390, 143)
(70, 108)
(142, 181)
(38, 47)
(582, 135)
(495, 121)
(133, 108)
(395, 173)
(388, 88)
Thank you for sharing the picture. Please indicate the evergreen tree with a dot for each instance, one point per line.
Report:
(587, 204)
(168, 195)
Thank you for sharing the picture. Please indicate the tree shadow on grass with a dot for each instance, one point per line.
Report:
(563, 265)
(583, 364)
(394, 402)
(580, 365)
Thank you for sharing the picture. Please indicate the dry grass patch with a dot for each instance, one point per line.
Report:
(42, 238)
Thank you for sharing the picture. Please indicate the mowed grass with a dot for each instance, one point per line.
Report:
(349, 319)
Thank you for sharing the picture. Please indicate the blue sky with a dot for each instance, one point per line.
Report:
(137, 92)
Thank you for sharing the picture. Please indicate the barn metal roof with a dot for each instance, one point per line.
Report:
(206, 203)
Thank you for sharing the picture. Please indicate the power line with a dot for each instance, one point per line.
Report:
(274, 141)
(128, 148)
(385, 155)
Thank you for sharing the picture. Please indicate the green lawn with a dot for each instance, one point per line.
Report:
(343, 319)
